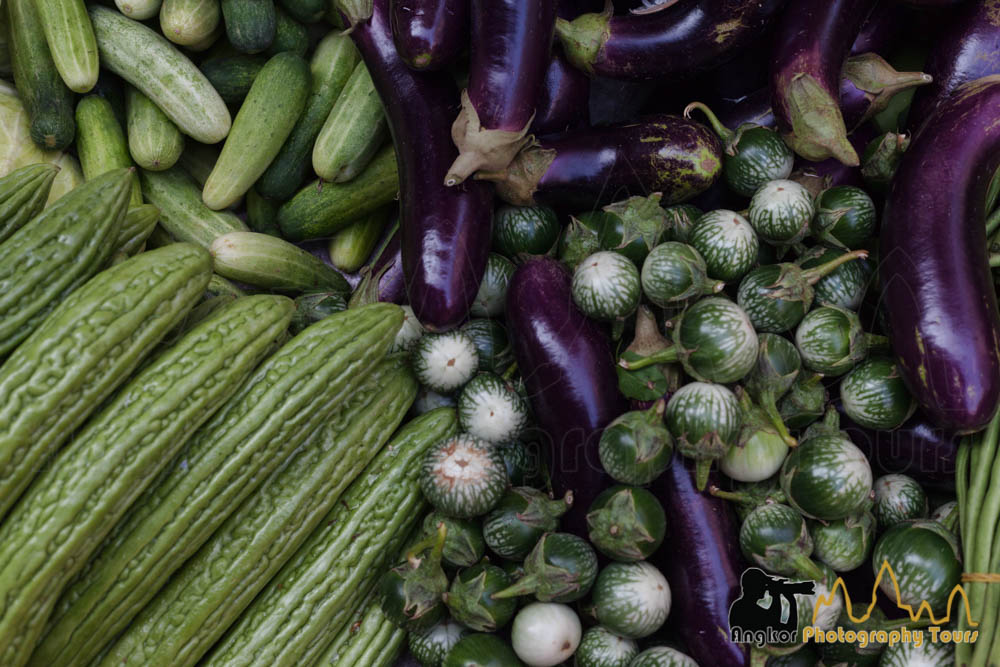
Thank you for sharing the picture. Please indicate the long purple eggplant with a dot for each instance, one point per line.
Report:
(882, 27)
(811, 45)
(566, 362)
(668, 154)
(430, 34)
(563, 101)
(511, 43)
(937, 287)
(673, 42)
(967, 49)
(701, 559)
(445, 231)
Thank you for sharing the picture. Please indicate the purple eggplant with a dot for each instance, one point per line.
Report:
(811, 45)
(563, 100)
(937, 287)
(753, 108)
(511, 43)
(445, 232)
(672, 42)
(834, 172)
(881, 29)
(430, 34)
(931, 4)
(382, 278)
(566, 362)
(702, 562)
(967, 49)
(668, 154)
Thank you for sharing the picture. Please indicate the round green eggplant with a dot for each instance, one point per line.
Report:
(778, 364)
(577, 242)
(524, 230)
(463, 542)
(874, 395)
(523, 515)
(681, 218)
(561, 568)
(637, 447)
(832, 341)
(748, 496)
(715, 341)
(845, 217)
(775, 537)
(410, 593)
(470, 598)
(481, 650)
(492, 292)
(674, 273)
(662, 656)
(490, 409)
(430, 646)
(780, 212)
(489, 336)
(705, 420)
(523, 462)
(727, 242)
(898, 498)
(631, 599)
(408, 334)
(630, 227)
(463, 476)
(928, 654)
(924, 556)
(844, 544)
(606, 286)
(805, 401)
(601, 647)
(827, 477)
(846, 285)
(626, 523)
(445, 361)
(759, 449)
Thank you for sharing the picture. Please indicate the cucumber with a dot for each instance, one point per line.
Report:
(22, 195)
(233, 75)
(164, 74)
(463, 476)
(320, 209)
(44, 261)
(314, 593)
(307, 11)
(140, 300)
(631, 599)
(136, 227)
(100, 142)
(353, 245)
(5, 65)
(139, 10)
(727, 242)
(262, 213)
(250, 24)
(264, 121)
(353, 132)
(197, 160)
(369, 638)
(705, 420)
(601, 647)
(210, 591)
(304, 383)
(273, 263)
(606, 286)
(217, 286)
(71, 40)
(182, 213)
(332, 63)
(208, 42)
(289, 35)
(153, 140)
(159, 238)
(118, 454)
(189, 22)
(46, 98)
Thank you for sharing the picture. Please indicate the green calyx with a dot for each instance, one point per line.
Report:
(357, 11)
(539, 510)
(817, 126)
(778, 365)
(583, 38)
(881, 158)
(617, 530)
(640, 375)
(551, 582)
(471, 602)
(879, 80)
(804, 402)
(578, 242)
(795, 283)
(411, 592)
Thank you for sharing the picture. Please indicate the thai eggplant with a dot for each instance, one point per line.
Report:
(563, 99)
(511, 40)
(668, 154)
(429, 34)
(570, 377)
(674, 41)
(938, 291)
(445, 231)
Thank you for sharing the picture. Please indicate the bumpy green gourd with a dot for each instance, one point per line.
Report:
(22, 195)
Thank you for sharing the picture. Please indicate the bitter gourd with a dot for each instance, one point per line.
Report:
(22, 195)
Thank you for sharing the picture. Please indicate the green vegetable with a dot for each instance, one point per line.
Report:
(490, 409)
(601, 647)
(775, 537)
(492, 294)
(631, 227)
(272, 263)
(760, 448)
(827, 477)
(189, 22)
(137, 225)
(233, 75)
(846, 285)
(636, 447)
(631, 599)
(445, 361)
(727, 242)
(831, 340)
(843, 544)
(353, 131)
(561, 568)
(182, 213)
(606, 286)
(351, 247)
(470, 598)
(845, 217)
(530, 230)
(481, 650)
(430, 646)
(626, 523)
(153, 140)
(780, 212)
(250, 24)
(489, 337)
(100, 142)
(71, 41)
(681, 219)
(519, 520)
(675, 272)
(289, 35)
(463, 476)
(464, 545)
(314, 306)
(705, 421)
(925, 559)
(898, 498)
(873, 395)
(22, 196)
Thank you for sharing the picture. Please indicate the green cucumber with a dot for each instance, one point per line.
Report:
(874, 395)
(140, 300)
(676, 272)
(529, 230)
(780, 212)
(727, 242)
(23, 193)
(208, 42)
(139, 10)
(353, 132)
(46, 98)
(197, 160)
(217, 286)
(273, 263)
(262, 213)
(353, 245)
(60, 249)
(843, 544)
(304, 383)
(312, 597)
(233, 75)
(463, 476)
(189, 22)
(320, 209)
(71, 40)
(631, 599)
(264, 121)
(100, 142)
(250, 24)
(115, 457)
(165, 75)
(137, 225)
(370, 639)
(159, 238)
(606, 286)
(153, 140)
(601, 647)
(307, 11)
(182, 213)
(898, 498)
(332, 63)
(827, 478)
(210, 591)
(289, 35)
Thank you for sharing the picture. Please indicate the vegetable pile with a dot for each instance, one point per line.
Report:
(499, 332)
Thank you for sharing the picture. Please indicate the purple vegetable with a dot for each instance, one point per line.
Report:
(833, 171)
(931, 4)
(430, 34)
(669, 154)
(672, 42)
(511, 42)
(967, 49)
(565, 359)
(881, 29)
(388, 269)
(811, 45)
(701, 559)
(938, 291)
(753, 108)
(445, 231)
(563, 100)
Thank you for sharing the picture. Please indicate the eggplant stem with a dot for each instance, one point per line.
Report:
(813, 275)
(993, 223)
(724, 132)
(768, 403)
(995, 260)
(524, 586)
(667, 356)
(702, 468)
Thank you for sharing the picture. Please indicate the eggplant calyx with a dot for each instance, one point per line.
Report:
(668, 356)
(648, 340)
(464, 600)
(482, 148)
(817, 129)
(881, 161)
(616, 528)
(879, 80)
(357, 11)
(584, 37)
(541, 511)
(518, 183)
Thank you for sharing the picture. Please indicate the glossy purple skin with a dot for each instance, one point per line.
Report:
(967, 49)
(568, 369)
(445, 230)
(599, 165)
(880, 30)
(392, 284)
(430, 34)
(813, 38)
(564, 98)
(932, 4)
(687, 37)
(701, 560)
(754, 108)
(511, 43)
(937, 286)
